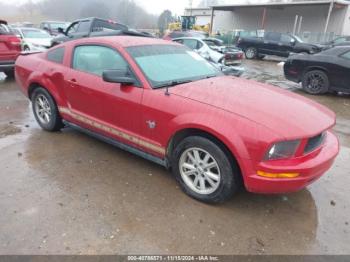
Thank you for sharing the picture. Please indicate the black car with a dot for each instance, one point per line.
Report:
(273, 43)
(323, 72)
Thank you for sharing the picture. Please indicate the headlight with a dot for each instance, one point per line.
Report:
(283, 149)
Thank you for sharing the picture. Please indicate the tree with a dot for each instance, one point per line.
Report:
(164, 19)
(95, 9)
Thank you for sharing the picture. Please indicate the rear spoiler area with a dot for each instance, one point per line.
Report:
(25, 53)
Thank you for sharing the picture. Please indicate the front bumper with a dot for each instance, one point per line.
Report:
(310, 167)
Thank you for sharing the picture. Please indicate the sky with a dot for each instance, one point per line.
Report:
(152, 6)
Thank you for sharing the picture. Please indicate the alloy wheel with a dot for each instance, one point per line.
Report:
(315, 82)
(199, 170)
(42, 109)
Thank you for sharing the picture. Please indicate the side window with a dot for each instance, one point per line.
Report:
(346, 55)
(273, 36)
(286, 38)
(190, 43)
(56, 55)
(84, 26)
(96, 59)
(72, 28)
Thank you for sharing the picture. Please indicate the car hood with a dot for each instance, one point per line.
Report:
(39, 41)
(308, 46)
(285, 113)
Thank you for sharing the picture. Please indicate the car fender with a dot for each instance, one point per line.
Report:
(37, 78)
(222, 132)
(315, 67)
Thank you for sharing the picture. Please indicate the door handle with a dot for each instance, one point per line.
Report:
(72, 81)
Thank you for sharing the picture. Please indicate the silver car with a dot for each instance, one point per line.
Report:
(33, 39)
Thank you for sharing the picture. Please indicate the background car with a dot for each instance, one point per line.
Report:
(33, 39)
(52, 26)
(227, 61)
(212, 51)
(92, 27)
(323, 72)
(10, 48)
(188, 33)
(273, 43)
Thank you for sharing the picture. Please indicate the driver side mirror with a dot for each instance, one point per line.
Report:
(292, 41)
(61, 30)
(118, 76)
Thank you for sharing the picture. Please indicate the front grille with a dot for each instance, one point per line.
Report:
(314, 142)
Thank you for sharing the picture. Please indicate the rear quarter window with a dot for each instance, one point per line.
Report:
(5, 30)
(56, 55)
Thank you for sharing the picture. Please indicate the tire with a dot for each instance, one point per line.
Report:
(224, 173)
(251, 53)
(49, 119)
(315, 82)
(10, 73)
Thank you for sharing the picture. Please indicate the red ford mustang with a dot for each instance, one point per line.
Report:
(165, 103)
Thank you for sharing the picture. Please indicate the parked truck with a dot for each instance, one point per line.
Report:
(273, 43)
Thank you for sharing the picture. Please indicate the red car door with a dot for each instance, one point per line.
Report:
(109, 108)
(10, 45)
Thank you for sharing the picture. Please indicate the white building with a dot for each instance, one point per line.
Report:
(331, 17)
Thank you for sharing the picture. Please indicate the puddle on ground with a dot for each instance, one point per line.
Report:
(8, 129)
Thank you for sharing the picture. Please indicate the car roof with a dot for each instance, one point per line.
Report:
(188, 37)
(123, 41)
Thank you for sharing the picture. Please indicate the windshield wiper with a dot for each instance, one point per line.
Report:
(173, 83)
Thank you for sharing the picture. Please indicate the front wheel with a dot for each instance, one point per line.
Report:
(315, 82)
(251, 53)
(45, 110)
(204, 170)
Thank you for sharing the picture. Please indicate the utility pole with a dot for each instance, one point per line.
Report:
(328, 16)
(190, 4)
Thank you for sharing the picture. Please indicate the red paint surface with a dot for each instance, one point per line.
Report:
(248, 117)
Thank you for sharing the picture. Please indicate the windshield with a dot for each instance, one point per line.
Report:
(55, 26)
(166, 65)
(27, 33)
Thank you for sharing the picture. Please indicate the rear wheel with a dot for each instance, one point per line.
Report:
(45, 110)
(251, 53)
(315, 82)
(204, 170)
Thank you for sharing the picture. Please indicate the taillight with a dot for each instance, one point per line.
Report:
(228, 56)
(15, 42)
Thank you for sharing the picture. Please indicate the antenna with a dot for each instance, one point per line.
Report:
(167, 91)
